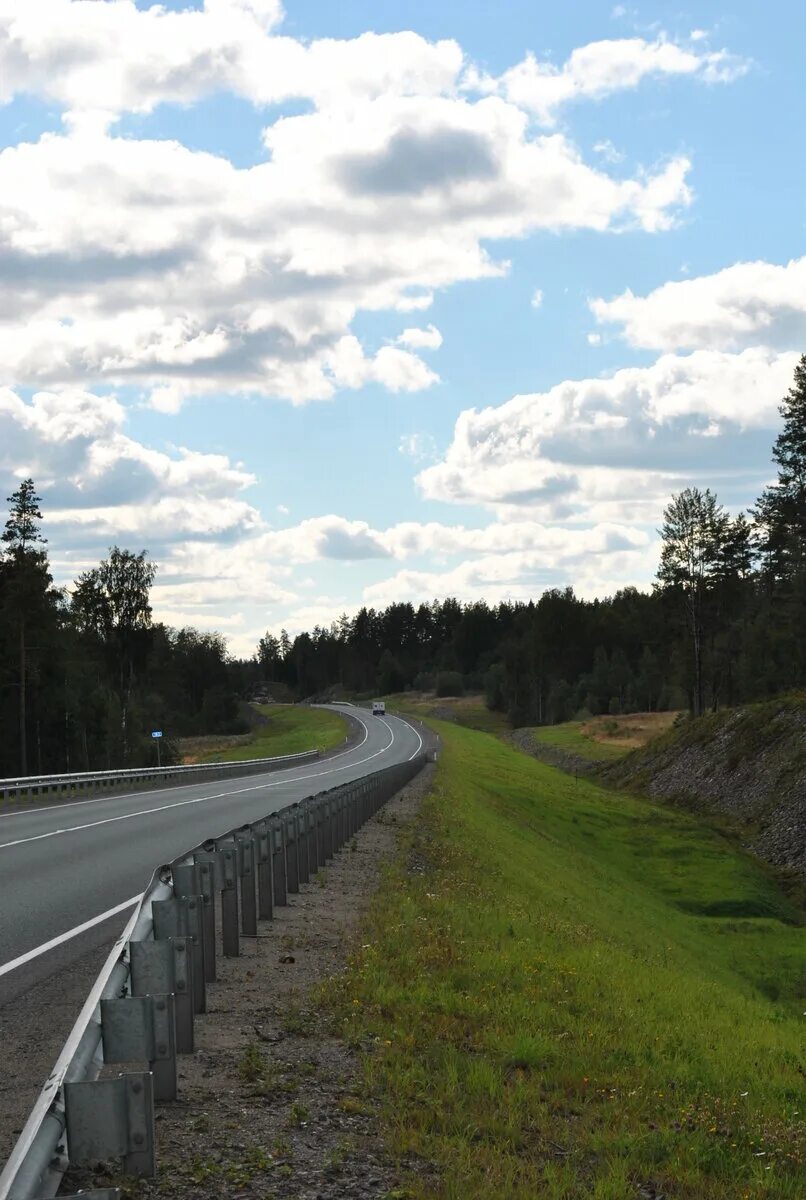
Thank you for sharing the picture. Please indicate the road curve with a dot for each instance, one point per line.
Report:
(69, 870)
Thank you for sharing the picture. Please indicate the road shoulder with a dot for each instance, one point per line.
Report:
(272, 1103)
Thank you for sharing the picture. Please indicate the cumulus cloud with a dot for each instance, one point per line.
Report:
(420, 339)
(98, 483)
(210, 278)
(601, 68)
(614, 448)
(748, 304)
(136, 261)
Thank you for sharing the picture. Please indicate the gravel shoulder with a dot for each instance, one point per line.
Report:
(272, 1104)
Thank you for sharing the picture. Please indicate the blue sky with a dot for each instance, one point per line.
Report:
(321, 319)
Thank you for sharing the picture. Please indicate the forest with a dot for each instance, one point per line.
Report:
(86, 673)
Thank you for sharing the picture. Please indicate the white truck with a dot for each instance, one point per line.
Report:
(378, 708)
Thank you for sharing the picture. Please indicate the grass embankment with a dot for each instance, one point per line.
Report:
(577, 993)
(289, 729)
(602, 739)
(468, 711)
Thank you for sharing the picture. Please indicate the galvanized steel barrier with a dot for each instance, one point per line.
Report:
(95, 781)
(143, 1005)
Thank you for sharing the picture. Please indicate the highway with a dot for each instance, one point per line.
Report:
(70, 872)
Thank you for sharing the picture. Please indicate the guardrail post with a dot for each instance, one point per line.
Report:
(265, 889)
(291, 859)
(311, 839)
(327, 827)
(205, 862)
(246, 871)
(112, 1118)
(278, 872)
(138, 1028)
(229, 901)
(162, 967)
(183, 919)
(302, 845)
(194, 881)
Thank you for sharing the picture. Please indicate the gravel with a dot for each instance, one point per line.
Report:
(272, 1102)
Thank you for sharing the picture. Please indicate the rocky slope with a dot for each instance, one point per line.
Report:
(746, 763)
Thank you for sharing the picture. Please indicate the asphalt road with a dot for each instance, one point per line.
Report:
(70, 872)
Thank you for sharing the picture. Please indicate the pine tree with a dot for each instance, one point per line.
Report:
(26, 581)
(780, 512)
(695, 528)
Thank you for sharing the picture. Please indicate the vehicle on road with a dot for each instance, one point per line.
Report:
(378, 708)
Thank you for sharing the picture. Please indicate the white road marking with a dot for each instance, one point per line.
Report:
(66, 937)
(26, 812)
(416, 734)
(145, 812)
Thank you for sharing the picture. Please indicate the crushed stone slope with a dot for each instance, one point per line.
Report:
(748, 764)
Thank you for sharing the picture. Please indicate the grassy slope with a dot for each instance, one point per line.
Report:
(470, 711)
(582, 994)
(571, 737)
(291, 729)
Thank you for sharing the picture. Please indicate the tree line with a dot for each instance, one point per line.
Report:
(723, 623)
(86, 674)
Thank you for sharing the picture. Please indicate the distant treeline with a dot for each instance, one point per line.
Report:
(724, 623)
(85, 674)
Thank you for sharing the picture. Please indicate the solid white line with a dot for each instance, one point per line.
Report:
(416, 734)
(26, 812)
(145, 812)
(65, 937)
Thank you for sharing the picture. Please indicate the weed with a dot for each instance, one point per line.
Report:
(299, 1114)
(298, 1022)
(252, 1064)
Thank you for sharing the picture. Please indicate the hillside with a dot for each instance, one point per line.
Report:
(748, 764)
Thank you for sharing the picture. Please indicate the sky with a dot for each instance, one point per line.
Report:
(328, 303)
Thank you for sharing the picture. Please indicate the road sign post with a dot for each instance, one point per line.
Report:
(158, 734)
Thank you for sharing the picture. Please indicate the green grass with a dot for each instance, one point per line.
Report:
(468, 711)
(570, 737)
(576, 993)
(291, 729)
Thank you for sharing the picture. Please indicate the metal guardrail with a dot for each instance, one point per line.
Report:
(89, 781)
(142, 1006)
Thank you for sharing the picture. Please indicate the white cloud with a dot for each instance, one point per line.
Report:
(537, 298)
(748, 304)
(419, 446)
(608, 151)
(420, 339)
(601, 68)
(195, 277)
(102, 58)
(613, 449)
(212, 278)
(99, 484)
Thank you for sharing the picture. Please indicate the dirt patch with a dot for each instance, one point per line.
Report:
(272, 1102)
(630, 731)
